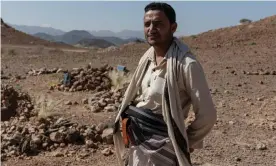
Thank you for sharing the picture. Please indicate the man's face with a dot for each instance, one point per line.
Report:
(157, 27)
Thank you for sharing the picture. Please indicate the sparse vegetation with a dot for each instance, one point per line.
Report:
(12, 52)
(252, 43)
(245, 21)
(119, 79)
(46, 106)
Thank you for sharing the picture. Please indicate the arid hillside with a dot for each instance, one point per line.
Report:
(239, 63)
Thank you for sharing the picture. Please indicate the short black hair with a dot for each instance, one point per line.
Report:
(166, 8)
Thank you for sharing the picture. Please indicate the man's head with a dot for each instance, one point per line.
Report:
(159, 23)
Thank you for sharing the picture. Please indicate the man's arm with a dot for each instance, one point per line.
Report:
(205, 112)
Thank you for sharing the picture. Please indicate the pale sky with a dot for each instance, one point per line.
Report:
(192, 17)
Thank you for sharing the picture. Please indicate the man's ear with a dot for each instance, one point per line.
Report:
(174, 27)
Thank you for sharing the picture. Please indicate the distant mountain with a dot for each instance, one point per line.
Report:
(37, 29)
(52, 34)
(125, 34)
(94, 43)
(9, 35)
(75, 36)
(45, 36)
(115, 40)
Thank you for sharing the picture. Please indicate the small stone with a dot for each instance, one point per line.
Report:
(83, 155)
(62, 145)
(100, 127)
(56, 137)
(102, 103)
(90, 144)
(226, 92)
(261, 146)
(98, 138)
(107, 135)
(95, 108)
(59, 70)
(45, 144)
(51, 88)
(84, 101)
(110, 108)
(68, 103)
(57, 154)
(237, 159)
(107, 152)
(231, 122)
(261, 82)
(260, 99)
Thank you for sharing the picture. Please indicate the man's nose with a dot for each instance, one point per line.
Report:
(152, 28)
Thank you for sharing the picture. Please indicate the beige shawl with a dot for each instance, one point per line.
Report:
(175, 62)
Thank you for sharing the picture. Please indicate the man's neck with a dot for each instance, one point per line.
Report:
(160, 51)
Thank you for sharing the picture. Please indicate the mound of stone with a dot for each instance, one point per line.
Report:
(86, 79)
(14, 102)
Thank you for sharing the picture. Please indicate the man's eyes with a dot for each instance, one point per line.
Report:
(156, 23)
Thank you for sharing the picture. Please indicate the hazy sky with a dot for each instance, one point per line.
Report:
(192, 17)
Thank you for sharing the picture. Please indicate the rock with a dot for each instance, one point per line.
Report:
(95, 108)
(107, 135)
(62, 145)
(110, 108)
(91, 144)
(98, 138)
(84, 101)
(59, 70)
(226, 92)
(261, 82)
(57, 137)
(68, 103)
(45, 144)
(57, 154)
(101, 127)
(107, 152)
(260, 99)
(231, 122)
(261, 146)
(36, 139)
(237, 159)
(109, 101)
(102, 103)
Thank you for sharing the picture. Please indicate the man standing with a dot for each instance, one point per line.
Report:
(167, 81)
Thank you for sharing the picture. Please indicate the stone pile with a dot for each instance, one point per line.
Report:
(20, 137)
(104, 101)
(86, 79)
(34, 72)
(260, 73)
(15, 103)
(24, 133)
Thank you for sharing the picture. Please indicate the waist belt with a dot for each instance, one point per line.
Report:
(140, 124)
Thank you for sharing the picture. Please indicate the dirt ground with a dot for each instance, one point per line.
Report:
(244, 134)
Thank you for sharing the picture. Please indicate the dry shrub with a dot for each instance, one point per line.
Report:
(119, 79)
(56, 51)
(12, 52)
(46, 106)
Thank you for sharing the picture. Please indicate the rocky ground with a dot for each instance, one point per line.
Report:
(239, 63)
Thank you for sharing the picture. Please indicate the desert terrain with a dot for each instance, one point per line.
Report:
(240, 67)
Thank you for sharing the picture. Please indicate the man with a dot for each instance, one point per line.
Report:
(167, 81)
